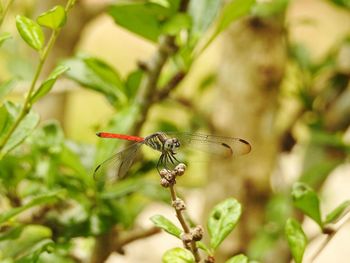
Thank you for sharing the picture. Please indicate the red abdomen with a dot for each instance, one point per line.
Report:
(119, 136)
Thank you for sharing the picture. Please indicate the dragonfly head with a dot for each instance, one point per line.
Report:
(171, 144)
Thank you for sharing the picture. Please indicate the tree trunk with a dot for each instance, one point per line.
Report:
(250, 73)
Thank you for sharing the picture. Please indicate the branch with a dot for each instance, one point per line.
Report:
(189, 237)
(172, 84)
(138, 234)
(148, 86)
(144, 99)
(331, 231)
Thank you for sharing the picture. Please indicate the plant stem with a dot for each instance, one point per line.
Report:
(27, 104)
(3, 14)
(184, 224)
(148, 86)
(344, 219)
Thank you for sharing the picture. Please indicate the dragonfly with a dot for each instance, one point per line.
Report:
(168, 144)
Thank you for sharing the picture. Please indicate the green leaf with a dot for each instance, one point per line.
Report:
(123, 188)
(178, 255)
(341, 3)
(126, 210)
(49, 137)
(315, 172)
(12, 233)
(70, 159)
(305, 199)
(6, 87)
(4, 36)
(47, 85)
(333, 216)
(165, 224)
(95, 74)
(46, 198)
(33, 240)
(204, 247)
(54, 18)
(133, 82)
(232, 11)
(238, 259)
(144, 19)
(203, 13)
(222, 220)
(176, 24)
(297, 240)
(23, 130)
(30, 31)
(270, 8)
(6, 120)
(35, 251)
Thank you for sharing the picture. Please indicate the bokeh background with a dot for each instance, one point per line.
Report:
(278, 78)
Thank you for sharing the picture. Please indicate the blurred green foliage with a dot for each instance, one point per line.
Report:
(48, 195)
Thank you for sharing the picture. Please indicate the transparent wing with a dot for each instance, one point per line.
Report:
(217, 145)
(118, 165)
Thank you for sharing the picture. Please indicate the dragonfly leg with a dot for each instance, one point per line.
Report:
(174, 158)
(160, 161)
(167, 160)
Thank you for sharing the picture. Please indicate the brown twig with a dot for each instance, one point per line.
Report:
(138, 234)
(172, 84)
(168, 180)
(148, 86)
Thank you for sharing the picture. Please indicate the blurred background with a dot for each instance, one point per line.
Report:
(277, 77)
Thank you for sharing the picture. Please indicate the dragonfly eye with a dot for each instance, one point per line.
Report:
(176, 143)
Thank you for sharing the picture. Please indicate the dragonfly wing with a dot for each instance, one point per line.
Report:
(217, 145)
(118, 165)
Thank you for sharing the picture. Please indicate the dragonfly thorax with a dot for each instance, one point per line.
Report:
(161, 142)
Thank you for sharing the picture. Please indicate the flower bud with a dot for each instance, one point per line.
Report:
(197, 233)
(164, 182)
(180, 169)
(163, 172)
(179, 204)
(170, 177)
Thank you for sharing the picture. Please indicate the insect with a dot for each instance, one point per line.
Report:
(168, 144)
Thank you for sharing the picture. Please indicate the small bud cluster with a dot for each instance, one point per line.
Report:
(180, 169)
(179, 204)
(169, 177)
(196, 234)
